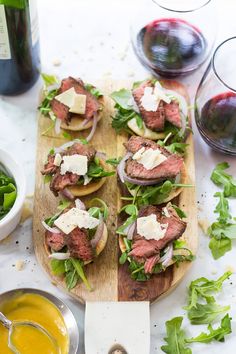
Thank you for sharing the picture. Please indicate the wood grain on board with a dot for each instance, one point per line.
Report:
(110, 282)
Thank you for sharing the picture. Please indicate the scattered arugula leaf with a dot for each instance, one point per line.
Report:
(176, 343)
(202, 288)
(206, 313)
(45, 106)
(221, 234)
(214, 334)
(223, 179)
(222, 208)
(114, 161)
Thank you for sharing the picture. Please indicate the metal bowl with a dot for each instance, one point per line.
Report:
(68, 316)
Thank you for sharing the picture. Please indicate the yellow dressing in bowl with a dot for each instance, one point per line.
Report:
(27, 340)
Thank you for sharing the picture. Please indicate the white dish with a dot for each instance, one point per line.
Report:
(12, 219)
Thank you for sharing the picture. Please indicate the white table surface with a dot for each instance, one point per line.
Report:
(91, 39)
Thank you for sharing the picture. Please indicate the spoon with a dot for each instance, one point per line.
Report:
(11, 325)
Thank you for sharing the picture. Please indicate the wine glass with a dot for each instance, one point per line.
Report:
(174, 37)
(215, 101)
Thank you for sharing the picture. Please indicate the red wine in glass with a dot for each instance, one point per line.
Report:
(171, 47)
(218, 120)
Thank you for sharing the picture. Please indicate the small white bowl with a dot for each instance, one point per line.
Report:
(12, 219)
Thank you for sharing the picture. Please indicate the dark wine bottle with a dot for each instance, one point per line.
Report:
(19, 46)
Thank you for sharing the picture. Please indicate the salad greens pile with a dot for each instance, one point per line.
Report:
(8, 193)
(223, 230)
(199, 289)
(73, 268)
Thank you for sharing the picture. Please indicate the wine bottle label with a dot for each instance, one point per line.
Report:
(5, 52)
(34, 21)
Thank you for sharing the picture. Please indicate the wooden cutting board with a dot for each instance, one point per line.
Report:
(110, 281)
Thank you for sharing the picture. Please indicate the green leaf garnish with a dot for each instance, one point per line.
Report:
(175, 339)
(223, 179)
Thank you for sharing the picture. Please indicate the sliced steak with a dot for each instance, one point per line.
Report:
(59, 182)
(136, 143)
(62, 111)
(172, 113)
(169, 168)
(76, 148)
(149, 250)
(81, 149)
(56, 241)
(79, 245)
(150, 263)
(49, 167)
(153, 120)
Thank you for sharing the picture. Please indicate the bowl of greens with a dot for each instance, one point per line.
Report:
(12, 193)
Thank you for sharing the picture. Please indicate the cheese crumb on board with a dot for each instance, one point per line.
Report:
(150, 228)
(149, 158)
(77, 164)
(73, 218)
(20, 265)
(204, 224)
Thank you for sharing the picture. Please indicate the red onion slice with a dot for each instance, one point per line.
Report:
(121, 166)
(57, 126)
(67, 194)
(60, 256)
(94, 126)
(101, 155)
(54, 230)
(131, 229)
(85, 122)
(79, 204)
(98, 234)
(166, 258)
(64, 146)
(125, 178)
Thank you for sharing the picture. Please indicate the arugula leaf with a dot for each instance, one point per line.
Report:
(222, 208)
(45, 106)
(175, 338)
(203, 288)
(49, 80)
(206, 313)
(131, 210)
(221, 234)
(68, 136)
(114, 161)
(179, 211)
(177, 148)
(8, 193)
(95, 211)
(97, 171)
(147, 195)
(220, 246)
(93, 90)
(223, 179)
(123, 98)
(78, 266)
(125, 111)
(214, 334)
(58, 266)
